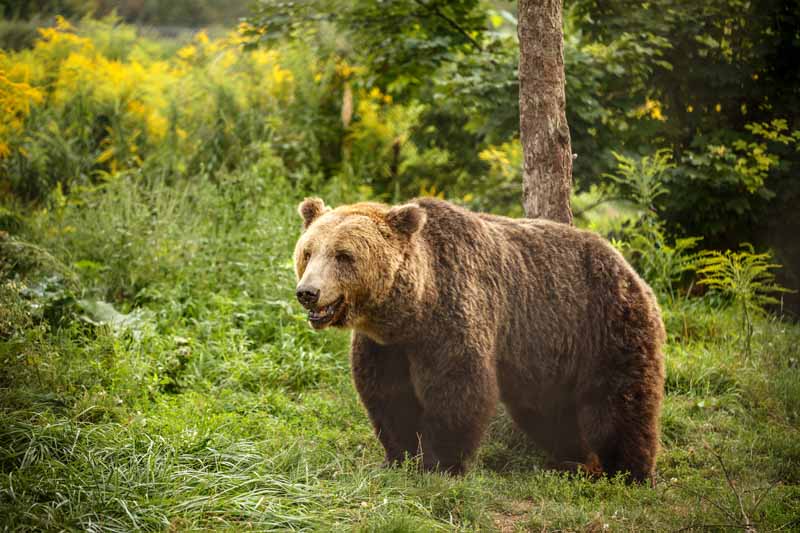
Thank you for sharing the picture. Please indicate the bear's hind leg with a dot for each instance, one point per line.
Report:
(381, 375)
(624, 433)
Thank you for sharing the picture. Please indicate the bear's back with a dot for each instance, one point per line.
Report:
(545, 289)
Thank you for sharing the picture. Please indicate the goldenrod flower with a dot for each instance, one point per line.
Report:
(188, 52)
(201, 37)
(651, 108)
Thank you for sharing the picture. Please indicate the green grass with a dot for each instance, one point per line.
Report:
(202, 400)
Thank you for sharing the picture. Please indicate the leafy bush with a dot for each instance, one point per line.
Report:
(728, 175)
(91, 103)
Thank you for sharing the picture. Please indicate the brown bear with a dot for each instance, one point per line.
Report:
(452, 311)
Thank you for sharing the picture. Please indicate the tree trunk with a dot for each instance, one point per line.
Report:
(547, 173)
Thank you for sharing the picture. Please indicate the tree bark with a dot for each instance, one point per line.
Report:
(544, 133)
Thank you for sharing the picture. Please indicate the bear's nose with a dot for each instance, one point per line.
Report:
(307, 296)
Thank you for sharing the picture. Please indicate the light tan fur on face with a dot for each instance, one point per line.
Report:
(362, 233)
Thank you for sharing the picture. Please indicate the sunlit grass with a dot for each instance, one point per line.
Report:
(218, 408)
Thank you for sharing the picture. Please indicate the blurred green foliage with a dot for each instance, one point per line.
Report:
(726, 85)
(712, 82)
(400, 98)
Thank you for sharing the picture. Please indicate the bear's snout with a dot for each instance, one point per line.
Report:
(307, 296)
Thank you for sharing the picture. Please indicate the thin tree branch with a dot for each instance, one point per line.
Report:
(763, 495)
(692, 527)
(748, 526)
(719, 506)
(597, 203)
(787, 524)
(433, 8)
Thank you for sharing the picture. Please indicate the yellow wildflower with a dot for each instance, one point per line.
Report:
(504, 160)
(156, 125)
(16, 99)
(343, 69)
(188, 52)
(431, 192)
(651, 108)
(59, 38)
(105, 155)
(264, 57)
(655, 113)
(281, 76)
(137, 108)
(227, 60)
(62, 24)
(201, 37)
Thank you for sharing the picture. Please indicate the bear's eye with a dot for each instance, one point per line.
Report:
(345, 258)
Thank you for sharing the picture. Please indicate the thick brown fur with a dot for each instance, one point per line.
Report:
(452, 311)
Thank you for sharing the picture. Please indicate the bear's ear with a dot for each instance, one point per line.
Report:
(406, 219)
(310, 209)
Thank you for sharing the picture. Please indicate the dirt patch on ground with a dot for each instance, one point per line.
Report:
(513, 513)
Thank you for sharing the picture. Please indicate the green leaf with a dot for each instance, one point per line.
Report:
(98, 312)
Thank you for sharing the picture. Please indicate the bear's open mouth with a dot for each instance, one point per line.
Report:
(326, 314)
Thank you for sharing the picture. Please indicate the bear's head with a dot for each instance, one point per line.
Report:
(347, 259)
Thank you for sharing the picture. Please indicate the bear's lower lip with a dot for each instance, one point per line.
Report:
(324, 315)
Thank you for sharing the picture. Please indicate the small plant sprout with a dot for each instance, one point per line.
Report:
(642, 181)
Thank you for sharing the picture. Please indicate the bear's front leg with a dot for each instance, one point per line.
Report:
(459, 396)
(381, 376)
